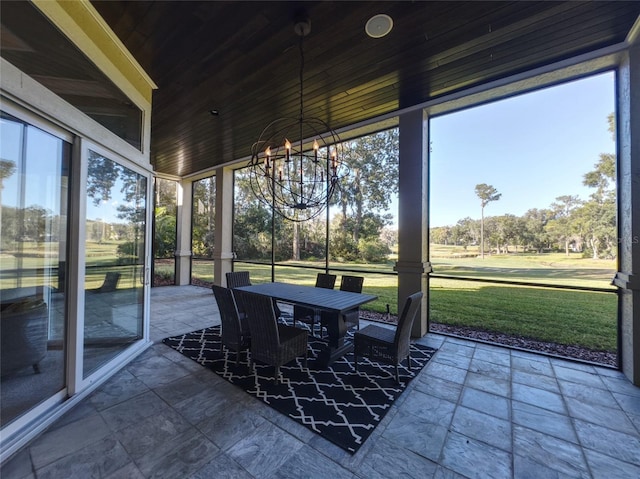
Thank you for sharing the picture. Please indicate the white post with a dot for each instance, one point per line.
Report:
(223, 253)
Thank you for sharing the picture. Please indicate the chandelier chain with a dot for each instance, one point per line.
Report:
(301, 75)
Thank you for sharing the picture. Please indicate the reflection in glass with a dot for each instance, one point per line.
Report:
(114, 271)
(165, 232)
(34, 169)
(51, 59)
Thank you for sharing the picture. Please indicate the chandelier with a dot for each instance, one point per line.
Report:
(296, 163)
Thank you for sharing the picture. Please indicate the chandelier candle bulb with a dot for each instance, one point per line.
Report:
(287, 146)
(267, 166)
(315, 151)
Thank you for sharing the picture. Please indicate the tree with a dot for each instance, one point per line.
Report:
(465, 231)
(507, 229)
(165, 217)
(597, 217)
(562, 226)
(487, 194)
(251, 221)
(389, 236)
(369, 189)
(101, 178)
(203, 217)
(535, 235)
(440, 235)
(7, 169)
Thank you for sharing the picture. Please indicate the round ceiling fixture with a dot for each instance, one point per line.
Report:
(379, 25)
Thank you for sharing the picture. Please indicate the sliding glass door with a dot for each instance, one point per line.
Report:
(114, 260)
(34, 201)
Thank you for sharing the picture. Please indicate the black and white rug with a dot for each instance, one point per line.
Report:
(336, 402)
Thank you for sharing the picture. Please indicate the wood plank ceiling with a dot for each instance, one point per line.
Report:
(241, 58)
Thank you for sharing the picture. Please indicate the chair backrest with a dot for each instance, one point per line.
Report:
(351, 283)
(236, 279)
(231, 328)
(262, 320)
(324, 280)
(405, 322)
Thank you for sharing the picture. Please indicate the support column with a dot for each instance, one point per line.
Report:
(628, 277)
(223, 247)
(412, 265)
(183, 239)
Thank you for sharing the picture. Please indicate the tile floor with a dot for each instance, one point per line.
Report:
(475, 411)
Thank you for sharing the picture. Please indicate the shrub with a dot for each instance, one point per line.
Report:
(373, 250)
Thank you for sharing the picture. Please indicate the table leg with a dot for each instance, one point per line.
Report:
(336, 346)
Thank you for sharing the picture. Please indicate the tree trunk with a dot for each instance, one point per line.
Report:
(566, 247)
(594, 247)
(296, 242)
(358, 201)
(482, 234)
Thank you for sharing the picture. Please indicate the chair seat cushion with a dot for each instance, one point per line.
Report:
(373, 333)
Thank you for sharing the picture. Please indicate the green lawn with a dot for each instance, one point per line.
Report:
(587, 319)
(583, 318)
(547, 268)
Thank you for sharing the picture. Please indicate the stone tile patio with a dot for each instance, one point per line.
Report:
(475, 411)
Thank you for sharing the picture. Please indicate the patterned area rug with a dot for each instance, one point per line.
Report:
(336, 402)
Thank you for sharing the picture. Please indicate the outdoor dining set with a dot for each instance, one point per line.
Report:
(252, 322)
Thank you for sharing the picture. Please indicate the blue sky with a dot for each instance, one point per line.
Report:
(531, 148)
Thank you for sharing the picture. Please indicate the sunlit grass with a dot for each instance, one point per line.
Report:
(582, 318)
(587, 319)
(545, 268)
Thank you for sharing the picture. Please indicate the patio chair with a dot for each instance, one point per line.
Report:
(272, 343)
(352, 284)
(235, 329)
(235, 279)
(386, 345)
(308, 315)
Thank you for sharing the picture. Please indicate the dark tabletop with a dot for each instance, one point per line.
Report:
(320, 298)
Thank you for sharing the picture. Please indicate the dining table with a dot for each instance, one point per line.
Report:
(334, 302)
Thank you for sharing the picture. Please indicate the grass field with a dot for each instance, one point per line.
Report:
(582, 318)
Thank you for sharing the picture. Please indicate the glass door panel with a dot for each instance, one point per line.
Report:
(114, 260)
(34, 179)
